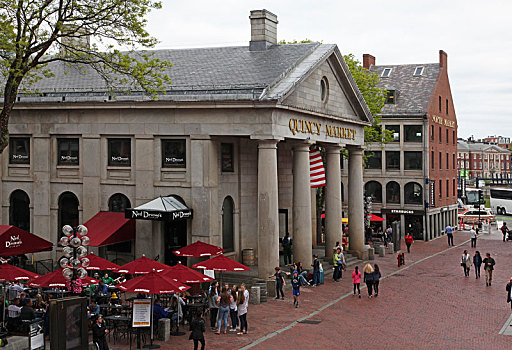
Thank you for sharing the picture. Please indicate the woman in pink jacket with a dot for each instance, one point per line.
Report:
(356, 280)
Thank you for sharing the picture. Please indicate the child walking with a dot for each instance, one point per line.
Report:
(356, 281)
(296, 283)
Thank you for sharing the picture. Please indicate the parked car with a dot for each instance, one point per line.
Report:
(471, 216)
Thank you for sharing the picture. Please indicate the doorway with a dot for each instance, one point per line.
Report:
(175, 237)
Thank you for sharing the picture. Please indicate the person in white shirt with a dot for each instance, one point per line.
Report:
(14, 309)
(466, 263)
(474, 236)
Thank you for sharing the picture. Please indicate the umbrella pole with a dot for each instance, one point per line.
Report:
(151, 345)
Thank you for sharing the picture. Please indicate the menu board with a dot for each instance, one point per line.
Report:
(36, 335)
(141, 313)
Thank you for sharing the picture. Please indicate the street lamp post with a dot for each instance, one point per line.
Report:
(74, 263)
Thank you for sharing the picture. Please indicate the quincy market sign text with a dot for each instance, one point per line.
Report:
(301, 126)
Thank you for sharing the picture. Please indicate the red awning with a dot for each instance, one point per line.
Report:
(15, 241)
(108, 228)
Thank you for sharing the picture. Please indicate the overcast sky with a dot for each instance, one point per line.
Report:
(477, 35)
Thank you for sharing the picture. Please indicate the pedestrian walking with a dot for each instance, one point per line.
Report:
(213, 296)
(465, 262)
(477, 261)
(449, 234)
(280, 282)
(474, 236)
(488, 267)
(197, 328)
(287, 248)
(99, 332)
(376, 279)
(504, 230)
(389, 234)
(316, 270)
(223, 301)
(233, 310)
(296, 283)
(356, 281)
(408, 241)
(508, 288)
(338, 265)
(368, 279)
(243, 305)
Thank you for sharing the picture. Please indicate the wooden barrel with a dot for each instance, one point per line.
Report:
(263, 290)
(248, 257)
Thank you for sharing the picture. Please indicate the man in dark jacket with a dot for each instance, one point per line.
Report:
(508, 288)
(287, 248)
(488, 267)
(197, 330)
(27, 312)
(98, 334)
(316, 271)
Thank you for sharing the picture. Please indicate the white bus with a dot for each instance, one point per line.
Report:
(501, 200)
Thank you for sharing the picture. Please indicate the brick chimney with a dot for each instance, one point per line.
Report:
(263, 30)
(368, 61)
(443, 59)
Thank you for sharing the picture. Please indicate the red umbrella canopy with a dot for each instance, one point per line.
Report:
(221, 263)
(97, 263)
(152, 283)
(56, 279)
(185, 274)
(15, 241)
(199, 249)
(376, 218)
(141, 266)
(9, 273)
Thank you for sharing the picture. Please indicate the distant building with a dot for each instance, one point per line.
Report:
(503, 142)
(483, 159)
(413, 178)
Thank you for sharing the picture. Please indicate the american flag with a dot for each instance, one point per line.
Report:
(316, 169)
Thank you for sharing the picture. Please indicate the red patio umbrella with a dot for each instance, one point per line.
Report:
(142, 266)
(97, 263)
(221, 263)
(185, 274)
(55, 279)
(15, 241)
(9, 273)
(376, 218)
(199, 249)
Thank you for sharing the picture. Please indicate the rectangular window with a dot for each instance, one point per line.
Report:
(440, 109)
(174, 153)
(395, 129)
(413, 133)
(418, 71)
(446, 106)
(119, 152)
(440, 160)
(447, 137)
(453, 163)
(374, 161)
(67, 152)
(432, 133)
(447, 187)
(453, 137)
(453, 187)
(386, 72)
(447, 161)
(390, 97)
(440, 189)
(19, 150)
(432, 159)
(393, 160)
(412, 160)
(440, 135)
(227, 157)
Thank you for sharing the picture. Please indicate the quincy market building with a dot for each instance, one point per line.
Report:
(222, 156)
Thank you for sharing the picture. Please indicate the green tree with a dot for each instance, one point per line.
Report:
(36, 33)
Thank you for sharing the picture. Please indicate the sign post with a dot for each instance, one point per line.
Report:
(141, 316)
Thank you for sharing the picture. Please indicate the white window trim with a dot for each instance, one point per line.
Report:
(421, 72)
(386, 76)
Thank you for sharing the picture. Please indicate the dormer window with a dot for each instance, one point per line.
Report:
(418, 71)
(386, 72)
(390, 97)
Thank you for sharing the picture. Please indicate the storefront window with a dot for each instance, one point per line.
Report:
(412, 160)
(119, 152)
(414, 225)
(393, 192)
(393, 160)
(374, 189)
(67, 152)
(19, 150)
(412, 193)
(174, 153)
(228, 225)
(68, 211)
(413, 133)
(395, 129)
(227, 157)
(374, 160)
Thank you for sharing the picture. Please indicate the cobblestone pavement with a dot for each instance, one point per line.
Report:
(426, 304)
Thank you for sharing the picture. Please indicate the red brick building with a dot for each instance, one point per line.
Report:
(413, 179)
(483, 159)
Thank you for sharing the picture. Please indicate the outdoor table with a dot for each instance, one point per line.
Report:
(191, 309)
(117, 324)
(113, 306)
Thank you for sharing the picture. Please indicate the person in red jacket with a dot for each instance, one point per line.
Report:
(408, 242)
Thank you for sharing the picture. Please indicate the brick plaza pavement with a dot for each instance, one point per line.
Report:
(428, 304)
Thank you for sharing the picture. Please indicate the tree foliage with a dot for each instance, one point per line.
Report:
(34, 34)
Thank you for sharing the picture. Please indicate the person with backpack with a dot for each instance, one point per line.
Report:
(286, 242)
(488, 267)
(296, 283)
(368, 279)
(504, 231)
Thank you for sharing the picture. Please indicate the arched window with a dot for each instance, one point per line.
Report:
(413, 193)
(118, 203)
(228, 225)
(374, 189)
(19, 212)
(393, 192)
(68, 211)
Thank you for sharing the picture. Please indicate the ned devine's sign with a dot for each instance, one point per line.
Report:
(158, 215)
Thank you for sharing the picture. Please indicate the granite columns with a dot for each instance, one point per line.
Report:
(355, 199)
(332, 198)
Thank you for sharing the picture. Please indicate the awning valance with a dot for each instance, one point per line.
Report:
(108, 228)
(168, 208)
